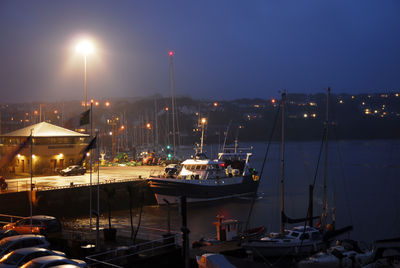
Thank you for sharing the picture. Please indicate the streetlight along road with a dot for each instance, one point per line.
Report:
(85, 48)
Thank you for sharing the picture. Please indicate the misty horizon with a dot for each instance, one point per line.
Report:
(224, 50)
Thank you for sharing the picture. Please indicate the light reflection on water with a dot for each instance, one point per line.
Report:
(362, 184)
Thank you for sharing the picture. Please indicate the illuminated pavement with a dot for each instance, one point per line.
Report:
(107, 174)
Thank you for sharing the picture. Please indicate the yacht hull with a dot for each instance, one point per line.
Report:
(279, 249)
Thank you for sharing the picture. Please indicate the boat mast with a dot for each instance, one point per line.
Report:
(325, 203)
(172, 79)
(156, 124)
(282, 225)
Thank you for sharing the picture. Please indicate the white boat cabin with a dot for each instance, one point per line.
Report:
(202, 169)
(297, 233)
(227, 165)
(227, 229)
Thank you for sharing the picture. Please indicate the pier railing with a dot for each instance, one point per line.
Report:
(123, 255)
(6, 219)
(22, 186)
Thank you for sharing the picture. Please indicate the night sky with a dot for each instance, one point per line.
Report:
(224, 49)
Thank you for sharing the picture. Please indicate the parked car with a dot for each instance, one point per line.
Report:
(41, 224)
(165, 161)
(73, 170)
(12, 243)
(51, 261)
(21, 256)
(7, 233)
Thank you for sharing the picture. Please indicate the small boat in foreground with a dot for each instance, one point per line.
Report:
(229, 230)
(296, 241)
(344, 254)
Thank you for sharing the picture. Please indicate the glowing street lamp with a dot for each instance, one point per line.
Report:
(85, 48)
(203, 123)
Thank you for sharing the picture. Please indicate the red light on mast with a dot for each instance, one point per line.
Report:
(171, 53)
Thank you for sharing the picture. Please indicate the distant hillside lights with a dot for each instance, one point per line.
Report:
(95, 103)
(313, 115)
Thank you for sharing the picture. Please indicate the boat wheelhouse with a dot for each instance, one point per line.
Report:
(203, 179)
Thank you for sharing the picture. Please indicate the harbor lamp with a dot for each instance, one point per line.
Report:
(203, 123)
(85, 47)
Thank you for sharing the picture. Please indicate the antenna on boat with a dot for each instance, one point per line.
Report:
(226, 135)
(282, 225)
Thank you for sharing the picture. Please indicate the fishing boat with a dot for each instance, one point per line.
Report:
(202, 179)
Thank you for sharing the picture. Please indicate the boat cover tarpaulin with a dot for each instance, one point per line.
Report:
(286, 219)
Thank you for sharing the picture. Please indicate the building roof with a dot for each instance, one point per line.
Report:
(44, 130)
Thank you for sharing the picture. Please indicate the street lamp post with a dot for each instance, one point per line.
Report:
(85, 48)
(203, 122)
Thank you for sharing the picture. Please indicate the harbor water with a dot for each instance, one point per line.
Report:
(363, 187)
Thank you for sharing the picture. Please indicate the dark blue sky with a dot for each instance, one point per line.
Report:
(224, 48)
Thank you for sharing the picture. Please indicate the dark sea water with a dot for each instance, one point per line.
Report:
(363, 187)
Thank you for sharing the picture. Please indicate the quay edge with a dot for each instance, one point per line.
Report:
(74, 200)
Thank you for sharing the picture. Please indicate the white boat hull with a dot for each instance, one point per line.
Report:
(278, 249)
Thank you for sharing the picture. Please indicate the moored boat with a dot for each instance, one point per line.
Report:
(229, 230)
(300, 240)
(346, 253)
(202, 179)
(297, 241)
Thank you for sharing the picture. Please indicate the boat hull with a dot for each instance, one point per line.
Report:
(201, 190)
(273, 249)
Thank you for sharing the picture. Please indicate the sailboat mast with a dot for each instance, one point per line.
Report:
(171, 75)
(282, 224)
(325, 203)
